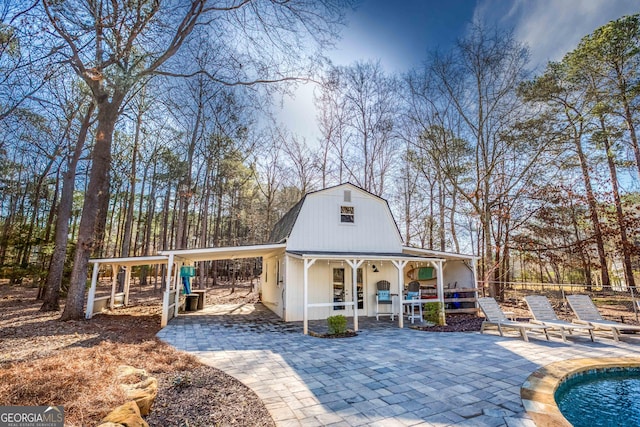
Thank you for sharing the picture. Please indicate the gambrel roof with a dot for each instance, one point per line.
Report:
(283, 228)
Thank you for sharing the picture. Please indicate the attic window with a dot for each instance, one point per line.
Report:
(347, 196)
(346, 214)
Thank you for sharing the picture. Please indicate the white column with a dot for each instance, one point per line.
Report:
(305, 309)
(166, 299)
(474, 267)
(400, 265)
(127, 283)
(92, 291)
(114, 281)
(440, 286)
(355, 264)
(169, 268)
(178, 285)
(287, 266)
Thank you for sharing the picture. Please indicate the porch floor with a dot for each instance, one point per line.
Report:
(259, 318)
(385, 376)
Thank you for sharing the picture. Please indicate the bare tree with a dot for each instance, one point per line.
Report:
(116, 46)
(358, 107)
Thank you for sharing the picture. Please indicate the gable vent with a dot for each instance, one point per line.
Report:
(347, 195)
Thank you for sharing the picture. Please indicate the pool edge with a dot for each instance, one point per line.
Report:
(538, 391)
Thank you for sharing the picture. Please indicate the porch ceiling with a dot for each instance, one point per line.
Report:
(132, 261)
(445, 256)
(230, 252)
(361, 255)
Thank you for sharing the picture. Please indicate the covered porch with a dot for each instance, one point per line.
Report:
(187, 257)
(355, 261)
(116, 298)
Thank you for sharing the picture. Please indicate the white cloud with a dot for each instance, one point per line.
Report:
(552, 28)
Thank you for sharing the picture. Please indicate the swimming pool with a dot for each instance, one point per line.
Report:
(601, 397)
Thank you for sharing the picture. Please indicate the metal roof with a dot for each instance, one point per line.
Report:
(283, 228)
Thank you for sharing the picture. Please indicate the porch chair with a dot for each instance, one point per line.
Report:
(414, 309)
(384, 298)
(495, 316)
(543, 314)
(588, 314)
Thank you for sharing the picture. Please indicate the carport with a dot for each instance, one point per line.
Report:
(180, 257)
(116, 299)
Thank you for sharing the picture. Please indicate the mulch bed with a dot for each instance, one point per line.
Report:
(47, 362)
(455, 323)
(347, 334)
(206, 396)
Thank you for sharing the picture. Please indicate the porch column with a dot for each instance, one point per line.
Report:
(166, 300)
(178, 285)
(474, 268)
(127, 283)
(355, 264)
(308, 262)
(440, 286)
(400, 265)
(114, 281)
(92, 291)
(168, 277)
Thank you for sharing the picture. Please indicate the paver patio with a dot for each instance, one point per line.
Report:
(385, 376)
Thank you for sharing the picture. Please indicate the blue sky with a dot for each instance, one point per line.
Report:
(400, 34)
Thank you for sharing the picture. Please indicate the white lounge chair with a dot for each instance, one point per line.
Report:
(543, 314)
(588, 314)
(495, 316)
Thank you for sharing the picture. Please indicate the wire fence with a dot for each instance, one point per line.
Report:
(621, 303)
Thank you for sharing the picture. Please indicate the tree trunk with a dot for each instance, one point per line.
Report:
(583, 256)
(94, 207)
(125, 249)
(593, 211)
(452, 222)
(128, 222)
(626, 245)
(56, 269)
(628, 117)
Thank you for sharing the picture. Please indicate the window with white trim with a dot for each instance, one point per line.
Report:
(347, 215)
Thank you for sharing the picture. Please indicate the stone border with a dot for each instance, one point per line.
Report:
(538, 391)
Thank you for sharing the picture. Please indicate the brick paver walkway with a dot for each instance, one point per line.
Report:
(385, 376)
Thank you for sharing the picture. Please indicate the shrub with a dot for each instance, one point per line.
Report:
(432, 312)
(337, 324)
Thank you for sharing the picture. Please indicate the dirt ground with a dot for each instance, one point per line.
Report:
(47, 362)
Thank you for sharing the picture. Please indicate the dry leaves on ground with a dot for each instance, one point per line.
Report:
(47, 362)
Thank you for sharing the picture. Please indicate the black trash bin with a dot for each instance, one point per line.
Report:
(192, 302)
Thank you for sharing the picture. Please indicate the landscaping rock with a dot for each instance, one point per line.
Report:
(125, 415)
(143, 393)
(125, 370)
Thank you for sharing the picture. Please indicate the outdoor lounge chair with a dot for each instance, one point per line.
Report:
(543, 314)
(384, 298)
(588, 314)
(414, 309)
(495, 316)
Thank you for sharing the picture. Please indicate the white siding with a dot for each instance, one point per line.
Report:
(318, 226)
(321, 286)
(272, 291)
